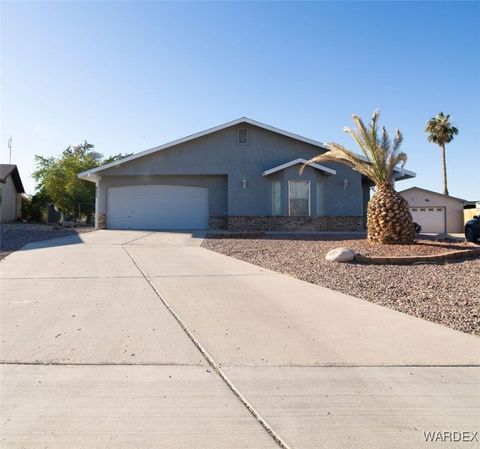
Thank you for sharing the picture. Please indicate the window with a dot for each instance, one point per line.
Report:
(276, 198)
(320, 210)
(298, 198)
(242, 136)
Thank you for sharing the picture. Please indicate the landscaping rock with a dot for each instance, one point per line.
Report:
(340, 255)
(15, 235)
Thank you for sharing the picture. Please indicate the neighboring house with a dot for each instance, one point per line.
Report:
(242, 175)
(435, 212)
(11, 192)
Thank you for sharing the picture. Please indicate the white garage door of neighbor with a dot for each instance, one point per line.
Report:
(431, 219)
(157, 207)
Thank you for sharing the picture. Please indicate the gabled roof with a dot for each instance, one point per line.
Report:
(11, 169)
(88, 174)
(91, 175)
(326, 170)
(431, 191)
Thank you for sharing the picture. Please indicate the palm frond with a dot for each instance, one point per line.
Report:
(338, 153)
(440, 130)
(381, 157)
(395, 160)
(397, 140)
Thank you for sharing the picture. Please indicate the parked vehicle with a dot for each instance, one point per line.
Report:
(417, 227)
(472, 229)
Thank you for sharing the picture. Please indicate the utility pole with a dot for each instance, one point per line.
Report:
(10, 150)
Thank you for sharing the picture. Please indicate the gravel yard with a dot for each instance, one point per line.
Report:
(15, 235)
(423, 247)
(448, 294)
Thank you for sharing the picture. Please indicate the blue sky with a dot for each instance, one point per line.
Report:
(127, 76)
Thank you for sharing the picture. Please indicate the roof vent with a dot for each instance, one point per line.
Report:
(242, 136)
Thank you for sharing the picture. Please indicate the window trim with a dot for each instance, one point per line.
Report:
(309, 197)
(279, 183)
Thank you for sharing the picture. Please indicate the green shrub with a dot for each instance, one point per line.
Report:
(34, 208)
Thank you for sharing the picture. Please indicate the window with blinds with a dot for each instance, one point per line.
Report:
(299, 198)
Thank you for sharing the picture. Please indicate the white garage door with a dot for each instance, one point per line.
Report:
(431, 219)
(157, 207)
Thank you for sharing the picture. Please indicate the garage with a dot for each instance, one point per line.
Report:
(431, 219)
(157, 207)
(433, 211)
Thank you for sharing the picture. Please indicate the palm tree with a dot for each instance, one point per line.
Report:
(388, 218)
(441, 132)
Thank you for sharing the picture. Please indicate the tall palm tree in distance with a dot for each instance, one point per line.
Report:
(441, 131)
(388, 217)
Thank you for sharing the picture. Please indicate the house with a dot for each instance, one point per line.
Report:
(435, 212)
(11, 192)
(242, 175)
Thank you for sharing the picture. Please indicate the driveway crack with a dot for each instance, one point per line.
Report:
(267, 427)
(137, 238)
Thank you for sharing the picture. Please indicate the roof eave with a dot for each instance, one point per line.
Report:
(435, 193)
(17, 180)
(201, 134)
(326, 170)
(402, 174)
(89, 176)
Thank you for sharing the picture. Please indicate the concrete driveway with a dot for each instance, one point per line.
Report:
(129, 339)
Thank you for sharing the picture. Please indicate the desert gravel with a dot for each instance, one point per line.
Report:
(448, 294)
(15, 235)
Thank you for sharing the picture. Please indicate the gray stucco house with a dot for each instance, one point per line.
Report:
(242, 175)
(11, 192)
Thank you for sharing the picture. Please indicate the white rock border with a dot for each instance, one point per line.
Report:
(340, 255)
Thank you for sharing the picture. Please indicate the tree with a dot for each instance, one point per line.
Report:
(115, 158)
(57, 177)
(388, 218)
(441, 132)
(34, 208)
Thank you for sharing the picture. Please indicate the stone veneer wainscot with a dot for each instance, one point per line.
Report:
(286, 223)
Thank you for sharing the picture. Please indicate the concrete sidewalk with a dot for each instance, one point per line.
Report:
(92, 356)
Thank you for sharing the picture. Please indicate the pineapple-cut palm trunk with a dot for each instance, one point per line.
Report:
(389, 219)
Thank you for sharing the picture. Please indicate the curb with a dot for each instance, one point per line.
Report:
(235, 235)
(409, 260)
